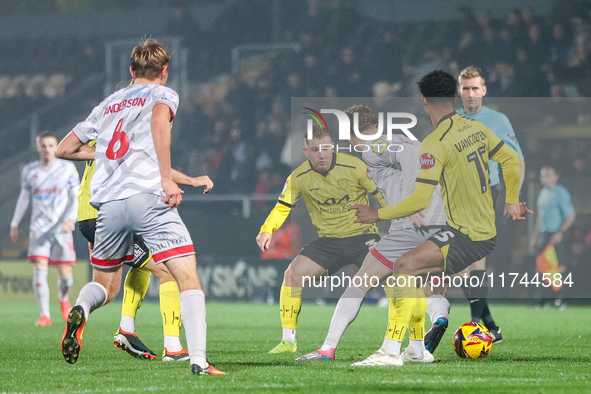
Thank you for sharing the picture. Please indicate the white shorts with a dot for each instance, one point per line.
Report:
(146, 215)
(397, 242)
(55, 248)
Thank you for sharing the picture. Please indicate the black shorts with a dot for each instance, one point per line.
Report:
(336, 253)
(141, 254)
(459, 251)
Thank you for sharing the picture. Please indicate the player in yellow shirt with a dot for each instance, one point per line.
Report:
(138, 279)
(455, 155)
(329, 183)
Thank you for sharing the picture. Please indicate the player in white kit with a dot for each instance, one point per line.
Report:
(393, 165)
(133, 190)
(52, 184)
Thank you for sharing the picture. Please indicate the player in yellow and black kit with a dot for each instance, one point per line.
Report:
(455, 155)
(138, 279)
(329, 184)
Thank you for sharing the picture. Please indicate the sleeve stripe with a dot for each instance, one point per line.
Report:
(495, 150)
(374, 192)
(285, 203)
(429, 181)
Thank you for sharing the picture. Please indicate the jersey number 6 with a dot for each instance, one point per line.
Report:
(119, 140)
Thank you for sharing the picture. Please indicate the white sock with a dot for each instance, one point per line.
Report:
(437, 306)
(92, 296)
(193, 316)
(345, 312)
(416, 346)
(391, 346)
(173, 344)
(127, 324)
(289, 335)
(64, 286)
(41, 290)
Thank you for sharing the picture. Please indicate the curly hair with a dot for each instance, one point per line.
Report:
(366, 117)
(438, 87)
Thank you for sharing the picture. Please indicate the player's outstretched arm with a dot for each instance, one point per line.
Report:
(71, 148)
(160, 124)
(419, 199)
(199, 181)
(508, 158)
(273, 222)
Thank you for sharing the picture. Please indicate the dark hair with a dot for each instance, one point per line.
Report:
(45, 135)
(438, 87)
(366, 117)
(318, 132)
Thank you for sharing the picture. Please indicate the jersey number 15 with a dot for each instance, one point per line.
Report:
(477, 158)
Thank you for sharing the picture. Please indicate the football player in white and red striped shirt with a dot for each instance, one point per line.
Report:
(52, 186)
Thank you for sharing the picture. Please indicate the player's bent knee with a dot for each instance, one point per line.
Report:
(287, 276)
(403, 266)
(161, 272)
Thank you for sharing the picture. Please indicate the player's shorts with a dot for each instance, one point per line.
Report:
(141, 254)
(146, 215)
(459, 251)
(397, 242)
(336, 253)
(55, 248)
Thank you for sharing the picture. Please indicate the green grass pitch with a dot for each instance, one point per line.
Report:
(543, 351)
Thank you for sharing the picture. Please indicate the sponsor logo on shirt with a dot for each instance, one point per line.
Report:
(427, 161)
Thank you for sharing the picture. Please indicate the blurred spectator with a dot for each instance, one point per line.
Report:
(517, 26)
(558, 51)
(535, 83)
(536, 44)
(504, 82)
(286, 242)
(182, 24)
(338, 23)
(469, 50)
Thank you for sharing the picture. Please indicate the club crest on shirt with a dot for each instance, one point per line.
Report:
(427, 161)
(282, 195)
(379, 146)
(343, 183)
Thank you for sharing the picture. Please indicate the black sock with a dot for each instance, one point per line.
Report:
(478, 295)
(487, 319)
(476, 307)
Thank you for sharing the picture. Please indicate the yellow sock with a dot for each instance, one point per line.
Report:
(402, 305)
(290, 302)
(170, 308)
(135, 288)
(417, 322)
